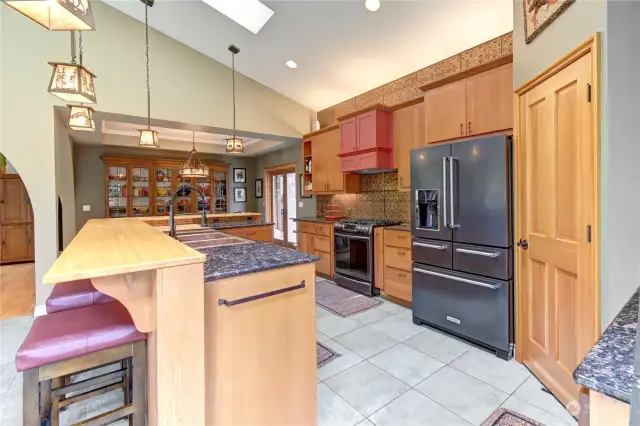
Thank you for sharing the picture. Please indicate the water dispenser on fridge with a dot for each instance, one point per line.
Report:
(427, 209)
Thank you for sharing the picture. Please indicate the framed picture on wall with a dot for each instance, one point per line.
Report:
(301, 185)
(239, 175)
(240, 194)
(258, 188)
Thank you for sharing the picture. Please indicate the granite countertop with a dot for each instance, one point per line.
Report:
(401, 227)
(227, 225)
(609, 366)
(318, 219)
(251, 257)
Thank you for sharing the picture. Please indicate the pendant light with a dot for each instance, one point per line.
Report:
(57, 15)
(193, 167)
(234, 144)
(80, 116)
(148, 137)
(72, 82)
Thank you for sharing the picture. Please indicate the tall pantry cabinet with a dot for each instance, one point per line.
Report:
(16, 221)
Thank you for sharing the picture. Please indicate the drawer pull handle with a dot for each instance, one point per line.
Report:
(402, 275)
(251, 233)
(433, 246)
(401, 237)
(401, 253)
(260, 296)
(462, 280)
(478, 253)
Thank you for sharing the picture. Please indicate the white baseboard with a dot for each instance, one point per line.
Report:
(40, 311)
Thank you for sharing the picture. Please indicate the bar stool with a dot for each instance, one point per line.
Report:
(74, 341)
(73, 295)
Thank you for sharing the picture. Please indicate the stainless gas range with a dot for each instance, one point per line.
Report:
(354, 254)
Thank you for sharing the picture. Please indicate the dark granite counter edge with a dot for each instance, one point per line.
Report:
(406, 228)
(257, 269)
(312, 219)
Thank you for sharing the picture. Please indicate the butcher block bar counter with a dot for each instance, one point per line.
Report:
(236, 350)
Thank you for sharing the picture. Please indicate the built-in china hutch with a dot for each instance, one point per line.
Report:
(137, 187)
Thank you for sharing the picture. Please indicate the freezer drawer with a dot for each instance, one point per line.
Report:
(480, 260)
(471, 306)
(432, 252)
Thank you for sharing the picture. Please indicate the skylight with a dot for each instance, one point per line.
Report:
(251, 14)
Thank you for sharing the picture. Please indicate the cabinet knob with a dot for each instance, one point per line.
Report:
(461, 130)
(469, 127)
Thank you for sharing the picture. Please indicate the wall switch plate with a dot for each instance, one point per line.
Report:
(86, 207)
(301, 204)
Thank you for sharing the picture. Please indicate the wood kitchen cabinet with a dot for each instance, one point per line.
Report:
(409, 133)
(317, 238)
(396, 264)
(16, 221)
(476, 105)
(326, 173)
(255, 233)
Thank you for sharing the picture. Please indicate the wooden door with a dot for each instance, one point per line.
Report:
(556, 210)
(15, 243)
(348, 135)
(335, 178)
(13, 201)
(490, 101)
(445, 112)
(30, 242)
(409, 131)
(318, 163)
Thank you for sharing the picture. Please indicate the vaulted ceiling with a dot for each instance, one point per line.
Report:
(341, 49)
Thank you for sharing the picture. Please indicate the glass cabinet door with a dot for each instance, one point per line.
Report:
(183, 199)
(204, 185)
(164, 190)
(140, 196)
(118, 191)
(220, 191)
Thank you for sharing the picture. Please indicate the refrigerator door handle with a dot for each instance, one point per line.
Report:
(443, 201)
(452, 195)
(433, 246)
(478, 253)
(462, 280)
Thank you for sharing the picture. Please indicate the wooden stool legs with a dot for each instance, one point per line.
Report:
(44, 395)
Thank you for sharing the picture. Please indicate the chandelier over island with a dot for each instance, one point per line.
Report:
(193, 167)
(234, 144)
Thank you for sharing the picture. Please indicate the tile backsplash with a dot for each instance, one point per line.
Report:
(379, 198)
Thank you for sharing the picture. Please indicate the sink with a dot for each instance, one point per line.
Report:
(202, 239)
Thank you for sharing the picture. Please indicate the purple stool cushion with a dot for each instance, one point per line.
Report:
(69, 334)
(73, 295)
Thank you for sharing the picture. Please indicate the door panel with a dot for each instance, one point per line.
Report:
(428, 173)
(490, 101)
(445, 112)
(335, 178)
(15, 242)
(557, 205)
(482, 191)
(348, 136)
(13, 202)
(409, 134)
(366, 130)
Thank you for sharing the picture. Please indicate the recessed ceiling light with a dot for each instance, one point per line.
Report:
(372, 5)
(291, 64)
(251, 14)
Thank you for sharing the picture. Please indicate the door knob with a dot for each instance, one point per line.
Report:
(524, 244)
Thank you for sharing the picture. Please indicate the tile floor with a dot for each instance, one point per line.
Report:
(390, 373)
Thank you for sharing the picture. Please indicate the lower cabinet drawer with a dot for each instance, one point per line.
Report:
(315, 228)
(324, 264)
(397, 283)
(321, 243)
(397, 258)
(255, 234)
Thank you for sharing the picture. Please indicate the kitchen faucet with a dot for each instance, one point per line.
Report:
(172, 221)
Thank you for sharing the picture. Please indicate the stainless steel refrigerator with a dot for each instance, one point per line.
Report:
(461, 228)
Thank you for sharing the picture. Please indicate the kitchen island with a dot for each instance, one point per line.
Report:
(244, 310)
(608, 369)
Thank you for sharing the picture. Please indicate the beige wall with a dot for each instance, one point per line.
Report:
(64, 179)
(186, 87)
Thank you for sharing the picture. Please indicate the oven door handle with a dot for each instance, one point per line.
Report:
(353, 237)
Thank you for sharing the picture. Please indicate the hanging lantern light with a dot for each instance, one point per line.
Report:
(81, 118)
(71, 81)
(234, 144)
(57, 15)
(193, 167)
(148, 137)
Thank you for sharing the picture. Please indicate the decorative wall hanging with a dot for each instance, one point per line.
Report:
(57, 15)
(539, 14)
(234, 144)
(239, 175)
(148, 137)
(259, 188)
(240, 195)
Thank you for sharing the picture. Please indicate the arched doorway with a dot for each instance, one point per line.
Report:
(17, 271)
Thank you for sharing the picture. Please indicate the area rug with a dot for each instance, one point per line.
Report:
(324, 354)
(504, 417)
(342, 301)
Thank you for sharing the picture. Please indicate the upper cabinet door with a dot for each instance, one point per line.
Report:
(318, 163)
(409, 129)
(490, 101)
(13, 201)
(334, 176)
(367, 131)
(348, 136)
(445, 111)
